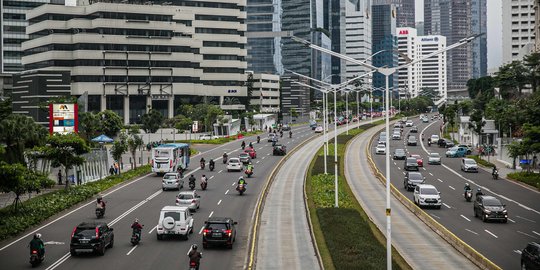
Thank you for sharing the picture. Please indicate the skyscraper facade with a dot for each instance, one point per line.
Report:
(358, 35)
(479, 46)
(335, 22)
(518, 24)
(405, 11)
(384, 39)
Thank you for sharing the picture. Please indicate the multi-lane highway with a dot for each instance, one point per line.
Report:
(499, 242)
(143, 198)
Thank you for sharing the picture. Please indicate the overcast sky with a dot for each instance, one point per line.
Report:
(494, 29)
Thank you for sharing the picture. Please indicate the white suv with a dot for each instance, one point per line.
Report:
(234, 165)
(427, 195)
(174, 220)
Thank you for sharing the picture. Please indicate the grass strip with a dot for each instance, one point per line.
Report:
(481, 161)
(345, 236)
(529, 178)
(36, 210)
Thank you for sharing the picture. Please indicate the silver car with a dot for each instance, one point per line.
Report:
(434, 158)
(189, 199)
(172, 181)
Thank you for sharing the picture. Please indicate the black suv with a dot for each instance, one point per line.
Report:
(400, 154)
(446, 143)
(412, 179)
(219, 231)
(411, 164)
(91, 237)
(489, 207)
(279, 150)
(530, 256)
(414, 129)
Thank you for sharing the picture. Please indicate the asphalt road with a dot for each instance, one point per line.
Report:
(143, 198)
(499, 242)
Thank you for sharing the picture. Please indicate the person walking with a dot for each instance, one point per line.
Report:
(59, 177)
(116, 168)
(111, 170)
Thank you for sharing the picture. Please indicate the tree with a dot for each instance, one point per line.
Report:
(294, 113)
(450, 113)
(119, 147)
(515, 150)
(476, 122)
(89, 125)
(465, 107)
(134, 141)
(511, 79)
(111, 123)
(222, 121)
(5, 108)
(249, 87)
(18, 179)
(19, 132)
(65, 150)
(152, 121)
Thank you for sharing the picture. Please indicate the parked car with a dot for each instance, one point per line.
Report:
(410, 164)
(319, 129)
(399, 154)
(244, 158)
(251, 152)
(271, 136)
(414, 129)
(380, 149)
(91, 237)
(174, 221)
(419, 160)
(279, 150)
(205, 137)
(172, 181)
(234, 164)
(411, 140)
(412, 179)
(530, 256)
(434, 158)
(219, 231)
(427, 195)
(456, 152)
(490, 208)
(469, 165)
(189, 199)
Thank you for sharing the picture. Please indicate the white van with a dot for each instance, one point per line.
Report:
(174, 220)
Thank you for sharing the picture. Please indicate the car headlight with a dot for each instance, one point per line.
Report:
(505, 211)
(487, 211)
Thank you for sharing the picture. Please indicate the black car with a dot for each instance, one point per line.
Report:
(446, 143)
(489, 207)
(412, 179)
(414, 129)
(219, 231)
(91, 237)
(411, 164)
(530, 256)
(400, 154)
(411, 141)
(279, 150)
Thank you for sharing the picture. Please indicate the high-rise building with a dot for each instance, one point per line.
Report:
(518, 29)
(335, 22)
(405, 11)
(295, 97)
(408, 78)
(384, 39)
(264, 36)
(266, 92)
(537, 25)
(479, 45)
(420, 28)
(358, 36)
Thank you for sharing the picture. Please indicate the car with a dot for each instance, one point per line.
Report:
(469, 165)
(434, 138)
(219, 231)
(174, 221)
(396, 136)
(91, 237)
(427, 195)
(412, 179)
(271, 136)
(456, 152)
(411, 141)
(251, 152)
(414, 129)
(380, 149)
(172, 181)
(409, 123)
(468, 147)
(411, 164)
(382, 140)
(419, 160)
(279, 150)
(434, 158)
(189, 199)
(397, 125)
(490, 208)
(446, 143)
(205, 137)
(312, 124)
(234, 164)
(285, 127)
(425, 119)
(530, 256)
(319, 129)
(244, 158)
(399, 154)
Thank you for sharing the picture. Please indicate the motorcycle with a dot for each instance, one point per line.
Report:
(429, 143)
(36, 258)
(100, 211)
(258, 139)
(495, 175)
(249, 173)
(202, 165)
(273, 143)
(211, 166)
(243, 145)
(136, 237)
(192, 185)
(241, 188)
(225, 159)
(193, 265)
(290, 135)
(468, 195)
(204, 185)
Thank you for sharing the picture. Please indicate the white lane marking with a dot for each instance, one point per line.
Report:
(511, 220)
(260, 148)
(465, 218)
(395, 163)
(447, 206)
(211, 177)
(226, 192)
(152, 229)
(536, 233)
(452, 187)
(211, 214)
(526, 219)
(423, 168)
(431, 174)
(220, 171)
(436, 216)
(218, 203)
(491, 233)
(471, 231)
(263, 157)
(398, 168)
(440, 180)
(531, 236)
(135, 207)
(58, 262)
(404, 173)
(268, 154)
(258, 161)
(132, 250)
(233, 183)
(517, 251)
(202, 228)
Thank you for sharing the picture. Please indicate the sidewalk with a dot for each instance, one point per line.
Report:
(7, 199)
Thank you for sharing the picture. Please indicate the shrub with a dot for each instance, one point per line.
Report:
(529, 178)
(482, 162)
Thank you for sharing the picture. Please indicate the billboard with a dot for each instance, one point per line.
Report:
(63, 118)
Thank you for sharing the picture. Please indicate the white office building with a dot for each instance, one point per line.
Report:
(265, 93)
(408, 49)
(518, 26)
(128, 57)
(357, 35)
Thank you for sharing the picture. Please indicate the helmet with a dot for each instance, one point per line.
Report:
(241, 178)
(203, 175)
(194, 246)
(466, 184)
(136, 220)
(99, 198)
(37, 236)
(479, 190)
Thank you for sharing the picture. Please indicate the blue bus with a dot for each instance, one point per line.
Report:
(170, 157)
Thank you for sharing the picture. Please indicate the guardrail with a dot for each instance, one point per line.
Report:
(470, 253)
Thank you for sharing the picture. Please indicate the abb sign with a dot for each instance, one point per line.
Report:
(404, 32)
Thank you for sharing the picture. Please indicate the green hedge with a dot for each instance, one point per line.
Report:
(221, 140)
(481, 161)
(529, 178)
(38, 209)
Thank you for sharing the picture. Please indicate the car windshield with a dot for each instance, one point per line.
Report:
(400, 152)
(470, 162)
(174, 215)
(429, 191)
(381, 146)
(216, 226)
(243, 155)
(491, 202)
(416, 176)
(234, 160)
(85, 232)
(185, 196)
(416, 156)
(453, 149)
(169, 176)
(434, 155)
(411, 160)
(412, 138)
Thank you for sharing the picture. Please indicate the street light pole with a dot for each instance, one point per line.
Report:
(325, 126)
(336, 205)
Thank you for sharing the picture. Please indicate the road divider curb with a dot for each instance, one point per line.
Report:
(470, 253)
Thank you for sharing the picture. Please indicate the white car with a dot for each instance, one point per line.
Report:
(427, 195)
(396, 135)
(318, 129)
(271, 136)
(205, 137)
(174, 220)
(234, 164)
(380, 149)
(434, 138)
(409, 123)
(172, 181)
(469, 165)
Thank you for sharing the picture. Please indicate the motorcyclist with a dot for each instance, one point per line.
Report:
(243, 145)
(100, 203)
(194, 255)
(494, 171)
(37, 244)
(479, 192)
(258, 139)
(281, 133)
(241, 181)
(250, 167)
(192, 179)
(274, 141)
(137, 227)
(250, 145)
(290, 133)
(467, 187)
(211, 163)
(204, 179)
(225, 156)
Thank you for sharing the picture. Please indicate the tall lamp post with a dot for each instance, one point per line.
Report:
(387, 71)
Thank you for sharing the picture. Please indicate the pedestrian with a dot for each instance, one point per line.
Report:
(534, 161)
(59, 177)
(116, 168)
(111, 170)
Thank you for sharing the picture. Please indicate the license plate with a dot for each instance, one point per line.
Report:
(83, 250)
(216, 235)
(170, 232)
(83, 241)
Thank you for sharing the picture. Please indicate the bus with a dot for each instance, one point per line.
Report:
(169, 157)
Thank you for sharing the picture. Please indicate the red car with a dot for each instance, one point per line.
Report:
(419, 160)
(251, 152)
